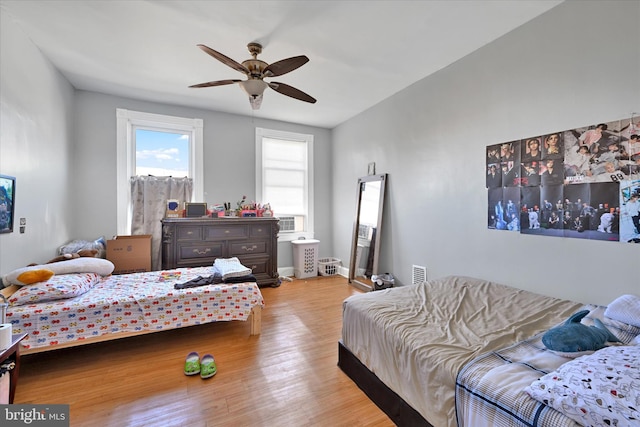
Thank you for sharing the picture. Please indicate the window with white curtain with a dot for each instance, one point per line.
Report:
(284, 179)
(168, 133)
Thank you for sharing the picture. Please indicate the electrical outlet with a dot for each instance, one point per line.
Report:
(371, 168)
(23, 221)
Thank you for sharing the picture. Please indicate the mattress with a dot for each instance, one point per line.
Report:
(417, 338)
(133, 303)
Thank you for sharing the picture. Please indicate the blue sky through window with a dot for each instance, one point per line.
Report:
(162, 153)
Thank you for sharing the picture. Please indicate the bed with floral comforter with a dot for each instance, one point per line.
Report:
(77, 308)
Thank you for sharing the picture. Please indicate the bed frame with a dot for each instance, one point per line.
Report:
(254, 320)
(386, 399)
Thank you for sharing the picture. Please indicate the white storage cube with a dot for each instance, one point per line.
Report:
(305, 258)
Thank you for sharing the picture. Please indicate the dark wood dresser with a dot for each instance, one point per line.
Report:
(197, 242)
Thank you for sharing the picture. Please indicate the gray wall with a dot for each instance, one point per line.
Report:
(229, 159)
(577, 65)
(36, 133)
(61, 146)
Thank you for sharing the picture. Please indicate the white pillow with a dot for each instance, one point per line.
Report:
(100, 266)
(595, 390)
(625, 309)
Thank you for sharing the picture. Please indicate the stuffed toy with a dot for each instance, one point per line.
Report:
(34, 276)
(574, 337)
(81, 262)
(66, 257)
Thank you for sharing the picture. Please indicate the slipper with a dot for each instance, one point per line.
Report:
(192, 364)
(207, 366)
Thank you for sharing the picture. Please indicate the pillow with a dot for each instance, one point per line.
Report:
(58, 287)
(599, 389)
(623, 331)
(625, 309)
(230, 267)
(100, 266)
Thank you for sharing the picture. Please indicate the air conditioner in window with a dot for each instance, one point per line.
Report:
(287, 224)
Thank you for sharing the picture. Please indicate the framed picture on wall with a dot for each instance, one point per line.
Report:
(7, 203)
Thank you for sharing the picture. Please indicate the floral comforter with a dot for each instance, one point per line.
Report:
(131, 303)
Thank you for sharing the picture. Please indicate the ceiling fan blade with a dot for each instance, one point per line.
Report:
(224, 59)
(292, 92)
(216, 83)
(286, 65)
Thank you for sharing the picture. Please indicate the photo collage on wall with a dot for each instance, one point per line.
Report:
(582, 183)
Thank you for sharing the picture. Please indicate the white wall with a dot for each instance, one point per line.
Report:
(36, 132)
(576, 65)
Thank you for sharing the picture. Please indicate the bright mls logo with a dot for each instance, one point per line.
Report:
(34, 415)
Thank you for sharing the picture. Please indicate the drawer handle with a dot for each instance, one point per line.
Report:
(227, 231)
(253, 267)
(189, 232)
(249, 249)
(201, 252)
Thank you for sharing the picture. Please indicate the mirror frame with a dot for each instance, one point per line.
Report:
(382, 178)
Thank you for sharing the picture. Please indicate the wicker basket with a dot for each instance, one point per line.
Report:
(328, 266)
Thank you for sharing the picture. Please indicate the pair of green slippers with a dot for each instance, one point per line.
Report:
(205, 366)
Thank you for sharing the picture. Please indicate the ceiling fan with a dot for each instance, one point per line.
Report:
(256, 70)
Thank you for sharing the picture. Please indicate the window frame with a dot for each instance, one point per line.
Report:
(126, 122)
(307, 139)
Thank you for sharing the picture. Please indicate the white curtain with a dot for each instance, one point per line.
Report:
(149, 195)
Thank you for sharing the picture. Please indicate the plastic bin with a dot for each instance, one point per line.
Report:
(305, 258)
(328, 266)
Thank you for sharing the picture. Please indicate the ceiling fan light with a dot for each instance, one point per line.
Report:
(255, 102)
(254, 87)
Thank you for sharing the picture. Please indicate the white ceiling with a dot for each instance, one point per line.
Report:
(360, 52)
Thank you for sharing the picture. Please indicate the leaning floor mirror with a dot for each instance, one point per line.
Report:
(367, 230)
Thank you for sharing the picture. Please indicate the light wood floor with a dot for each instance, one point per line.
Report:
(287, 376)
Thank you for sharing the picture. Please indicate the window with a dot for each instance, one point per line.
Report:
(284, 179)
(153, 144)
(161, 153)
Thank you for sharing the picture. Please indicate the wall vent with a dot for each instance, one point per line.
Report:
(287, 224)
(418, 274)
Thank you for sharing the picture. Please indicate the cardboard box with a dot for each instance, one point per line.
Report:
(130, 254)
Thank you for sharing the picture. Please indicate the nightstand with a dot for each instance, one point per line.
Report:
(13, 353)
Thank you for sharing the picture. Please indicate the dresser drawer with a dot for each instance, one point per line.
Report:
(257, 265)
(189, 233)
(247, 248)
(260, 230)
(226, 232)
(195, 251)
